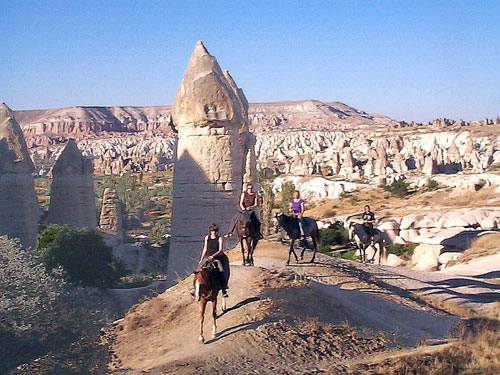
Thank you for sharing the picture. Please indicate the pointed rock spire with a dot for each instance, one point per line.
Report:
(19, 211)
(205, 93)
(72, 199)
(14, 155)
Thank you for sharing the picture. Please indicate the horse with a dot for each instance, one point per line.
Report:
(291, 226)
(361, 238)
(207, 285)
(248, 230)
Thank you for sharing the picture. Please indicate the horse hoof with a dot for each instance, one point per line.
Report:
(201, 340)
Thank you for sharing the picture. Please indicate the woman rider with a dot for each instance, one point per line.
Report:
(297, 209)
(213, 250)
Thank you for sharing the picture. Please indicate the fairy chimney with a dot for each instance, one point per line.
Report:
(19, 211)
(110, 219)
(72, 198)
(214, 152)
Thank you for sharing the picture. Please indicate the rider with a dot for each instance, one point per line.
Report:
(213, 250)
(297, 210)
(368, 218)
(249, 201)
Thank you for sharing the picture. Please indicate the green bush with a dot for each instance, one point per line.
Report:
(336, 234)
(404, 251)
(398, 188)
(45, 319)
(348, 255)
(430, 185)
(82, 253)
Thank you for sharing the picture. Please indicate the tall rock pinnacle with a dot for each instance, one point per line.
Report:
(215, 156)
(19, 211)
(72, 198)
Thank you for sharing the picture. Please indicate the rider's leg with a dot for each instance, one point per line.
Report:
(301, 227)
(222, 274)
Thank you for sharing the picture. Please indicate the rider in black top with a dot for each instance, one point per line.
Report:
(368, 218)
(213, 250)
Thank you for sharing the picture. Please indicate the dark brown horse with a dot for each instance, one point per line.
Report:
(248, 230)
(207, 285)
(291, 226)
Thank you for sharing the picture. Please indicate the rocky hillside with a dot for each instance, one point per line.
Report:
(301, 138)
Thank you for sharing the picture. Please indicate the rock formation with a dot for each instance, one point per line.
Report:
(19, 211)
(110, 219)
(210, 115)
(72, 199)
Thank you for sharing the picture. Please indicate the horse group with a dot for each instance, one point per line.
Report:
(207, 284)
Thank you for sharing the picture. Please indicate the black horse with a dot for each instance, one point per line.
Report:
(248, 230)
(358, 235)
(291, 226)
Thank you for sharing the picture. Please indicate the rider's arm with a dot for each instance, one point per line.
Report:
(241, 201)
(302, 209)
(203, 252)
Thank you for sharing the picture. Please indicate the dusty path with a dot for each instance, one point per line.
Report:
(298, 319)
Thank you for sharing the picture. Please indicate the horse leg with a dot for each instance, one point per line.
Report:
(302, 252)
(214, 315)
(314, 249)
(292, 251)
(249, 249)
(203, 304)
(224, 304)
(243, 263)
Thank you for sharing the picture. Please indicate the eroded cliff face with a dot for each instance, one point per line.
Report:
(19, 211)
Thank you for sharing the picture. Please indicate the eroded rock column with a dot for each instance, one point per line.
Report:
(214, 151)
(19, 209)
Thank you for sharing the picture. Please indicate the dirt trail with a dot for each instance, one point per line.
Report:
(298, 319)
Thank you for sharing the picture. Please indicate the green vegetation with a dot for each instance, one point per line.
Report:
(348, 255)
(398, 188)
(46, 323)
(333, 236)
(430, 185)
(82, 253)
(287, 190)
(404, 251)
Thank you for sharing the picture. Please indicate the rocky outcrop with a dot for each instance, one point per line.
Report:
(72, 198)
(19, 211)
(110, 219)
(214, 147)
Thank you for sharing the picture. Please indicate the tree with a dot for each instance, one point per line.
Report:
(44, 317)
(82, 253)
(287, 190)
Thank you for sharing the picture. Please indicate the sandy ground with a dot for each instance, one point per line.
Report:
(299, 319)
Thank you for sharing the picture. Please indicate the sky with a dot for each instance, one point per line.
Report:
(410, 60)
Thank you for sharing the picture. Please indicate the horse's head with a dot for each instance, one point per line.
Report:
(278, 217)
(203, 280)
(351, 229)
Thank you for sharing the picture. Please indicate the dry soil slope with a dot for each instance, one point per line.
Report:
(278, 321)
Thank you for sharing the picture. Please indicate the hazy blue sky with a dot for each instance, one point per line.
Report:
(410, 60)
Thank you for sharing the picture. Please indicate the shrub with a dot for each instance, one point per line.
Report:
(82, 253)
(42, 316)
(336, 234)
(398, 188)
(430, 185)
(404, 251)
